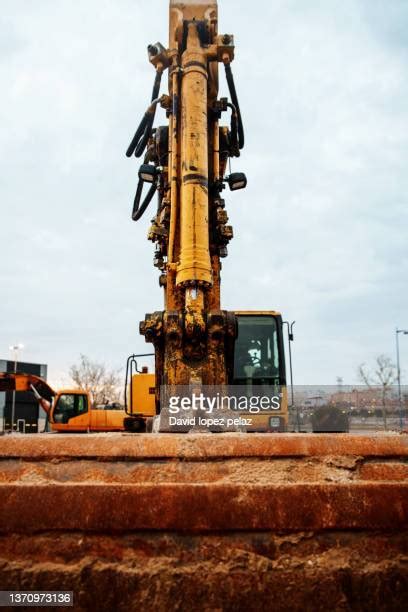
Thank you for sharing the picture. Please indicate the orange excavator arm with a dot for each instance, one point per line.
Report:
(28, 382)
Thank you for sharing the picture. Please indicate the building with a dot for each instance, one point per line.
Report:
(26, 410)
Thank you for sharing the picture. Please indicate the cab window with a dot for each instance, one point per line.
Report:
(70, 405)
(256, 353)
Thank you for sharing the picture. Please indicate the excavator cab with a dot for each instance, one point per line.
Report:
(72, 411)
(258, 350)
(68, 406)
(258, 368)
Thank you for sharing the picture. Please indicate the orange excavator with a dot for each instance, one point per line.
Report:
(71, 410)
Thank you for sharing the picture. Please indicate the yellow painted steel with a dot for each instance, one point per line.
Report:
(272, 313)
(143, 392)
(189, 10)
(260, 422)
(195, 263)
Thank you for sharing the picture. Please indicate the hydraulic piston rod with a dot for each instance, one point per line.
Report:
(195, 264)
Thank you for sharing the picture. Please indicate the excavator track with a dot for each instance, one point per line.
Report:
(204, 521)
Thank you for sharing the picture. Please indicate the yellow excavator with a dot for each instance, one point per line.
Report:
(197, 344)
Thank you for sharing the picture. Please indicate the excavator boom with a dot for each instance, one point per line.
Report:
(185, 162)
(20, 381)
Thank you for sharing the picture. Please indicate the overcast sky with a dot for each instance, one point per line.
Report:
(320, 231)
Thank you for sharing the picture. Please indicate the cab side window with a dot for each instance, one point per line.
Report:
(70, 405)
(82, 404)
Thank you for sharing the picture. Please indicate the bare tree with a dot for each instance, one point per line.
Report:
(101, 382)
(383, 375)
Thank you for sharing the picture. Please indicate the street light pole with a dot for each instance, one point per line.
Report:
(15, 348)
(405, 332)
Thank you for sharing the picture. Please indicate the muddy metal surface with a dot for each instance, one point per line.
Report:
(207, 521)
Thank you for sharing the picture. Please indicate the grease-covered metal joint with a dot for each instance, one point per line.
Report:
(166, 102)
(152, 326)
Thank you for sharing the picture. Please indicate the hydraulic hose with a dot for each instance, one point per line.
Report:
(141, 145)
(234, 99)
(156, 85)
(234, 129)
(143, 132)
(139, 209)
(137, 136)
